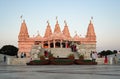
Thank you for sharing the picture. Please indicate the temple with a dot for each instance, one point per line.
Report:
(56, 39)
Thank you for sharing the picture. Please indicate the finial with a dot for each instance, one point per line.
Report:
(65, 22)
(21, 18)
(56, 19)
(48, 22)
(75, 32)
(24, 21)
(38, 33)
(91, 19)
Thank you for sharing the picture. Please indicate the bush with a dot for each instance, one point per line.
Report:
(81, 57)
(62, 61)
(9, 50)
(42, 57)
(38, 62)
(71, 56)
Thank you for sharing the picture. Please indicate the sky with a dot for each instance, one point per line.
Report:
(77, 13)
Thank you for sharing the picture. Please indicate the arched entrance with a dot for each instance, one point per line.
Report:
(51, 45)
(63, 45)
(45, 45)
(57, 44)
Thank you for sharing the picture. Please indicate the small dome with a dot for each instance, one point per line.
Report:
(57, 36)
(76, 38)
(38, 38)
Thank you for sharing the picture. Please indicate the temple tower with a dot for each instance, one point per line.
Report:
(23, 34)
(48, 31)
(66, 30)
(90, 32)
(24, 41)
(57, 27)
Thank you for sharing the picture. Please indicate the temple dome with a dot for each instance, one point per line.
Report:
(38, 38)
(76, 38)
(57, 36)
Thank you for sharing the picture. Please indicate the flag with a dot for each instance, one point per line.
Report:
(92, 17)
(56, 17)
(48, 22)
(21, 16)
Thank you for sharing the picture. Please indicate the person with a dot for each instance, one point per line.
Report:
(57, 56)
(75, 48)
(94, 56)
(45, 53)
(5, 58)
(115, 59)
(111, 60)
(72, 48)
(106, 60)
(91, 54)
(22, 55)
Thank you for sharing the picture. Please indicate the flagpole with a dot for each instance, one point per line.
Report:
(21, 17)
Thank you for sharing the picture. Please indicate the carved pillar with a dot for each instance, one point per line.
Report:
(42, 44)
(48, 44)
(66, 44)
(61, 44)
(54, 43)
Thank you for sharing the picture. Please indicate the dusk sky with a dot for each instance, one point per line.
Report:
(77, 13)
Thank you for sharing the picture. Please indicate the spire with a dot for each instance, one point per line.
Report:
(56, 20)
(48, 22)
(65, 22)
(66, 30)
(48, 31)
(75, 32)
(57, 27)
(91, 20)
(38, 37)
(23, 31)
(38, 34)
(90, 30)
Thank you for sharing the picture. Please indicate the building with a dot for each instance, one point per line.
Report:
(56, 39)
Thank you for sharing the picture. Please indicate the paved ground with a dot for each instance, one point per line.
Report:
(60, 72)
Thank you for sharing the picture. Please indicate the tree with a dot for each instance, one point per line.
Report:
(102, 53)
(115, 51)
(107, 52)
(9, 50)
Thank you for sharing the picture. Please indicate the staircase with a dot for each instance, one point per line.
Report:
(61, 52)
(76, 55)
(35, 48)
(57, 52)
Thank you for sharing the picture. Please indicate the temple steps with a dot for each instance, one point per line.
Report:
(61, 52)
(57, 52)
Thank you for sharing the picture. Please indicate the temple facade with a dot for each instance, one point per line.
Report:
(56, 39)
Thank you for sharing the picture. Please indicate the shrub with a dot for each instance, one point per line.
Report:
(81, 57)
(62, 61)
(51, 57)
(42, 57)
(71, 56)
(38, 62)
